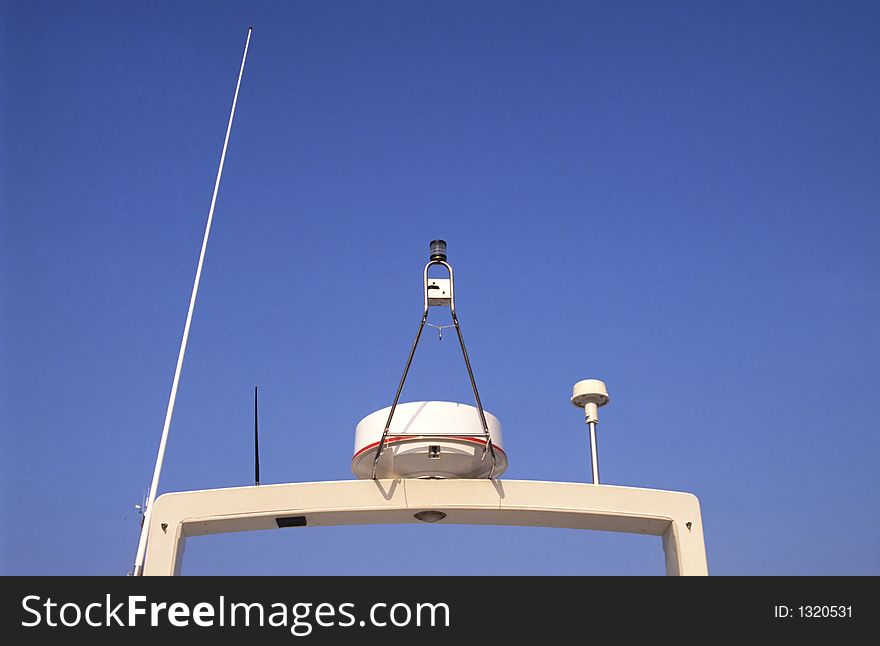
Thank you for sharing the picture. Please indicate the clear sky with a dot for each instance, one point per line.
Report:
(680, 198)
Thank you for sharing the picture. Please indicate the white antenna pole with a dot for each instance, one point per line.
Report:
(169, 412)
(594, 453)
(590, 394)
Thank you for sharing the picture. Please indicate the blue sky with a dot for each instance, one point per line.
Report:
(680, 198)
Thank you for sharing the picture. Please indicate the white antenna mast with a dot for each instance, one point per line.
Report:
(169, 412)
(590, 394)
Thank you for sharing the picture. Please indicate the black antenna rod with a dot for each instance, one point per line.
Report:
(256, 441)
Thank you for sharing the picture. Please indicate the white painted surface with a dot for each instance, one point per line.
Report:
(673, 515)
(409, 456)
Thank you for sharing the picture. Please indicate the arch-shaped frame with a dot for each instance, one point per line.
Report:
(673, 515)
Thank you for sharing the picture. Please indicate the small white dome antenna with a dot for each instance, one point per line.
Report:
(590, 394)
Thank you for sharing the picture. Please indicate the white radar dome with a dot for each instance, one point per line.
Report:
(455, 450)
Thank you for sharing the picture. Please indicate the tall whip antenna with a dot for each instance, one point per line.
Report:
(148, 512)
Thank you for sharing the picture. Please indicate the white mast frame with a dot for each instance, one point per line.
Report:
(672, 515)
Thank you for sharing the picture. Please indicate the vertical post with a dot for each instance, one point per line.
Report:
(594, 453)
(169, 411)
(256, 441)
